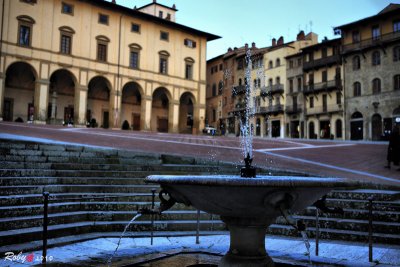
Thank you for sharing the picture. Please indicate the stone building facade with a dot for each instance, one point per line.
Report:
(371, 60)
(96, 61)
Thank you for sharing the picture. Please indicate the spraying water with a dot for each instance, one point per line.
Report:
(307, 244)
(122, 235)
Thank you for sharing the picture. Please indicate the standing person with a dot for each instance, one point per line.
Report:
(393, 154)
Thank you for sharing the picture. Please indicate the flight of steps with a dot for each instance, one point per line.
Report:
(95, 192)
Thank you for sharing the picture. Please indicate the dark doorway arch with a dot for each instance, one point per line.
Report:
(186, 113)
(356, 126)
(339, 128)
(19, 93)
(131, 105)
(98, 103)
(160, 110)
(62, 97)
(311, 130)
(376, 122)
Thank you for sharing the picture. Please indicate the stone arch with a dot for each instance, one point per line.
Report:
(98, 103)
(356, 126)
(131, 104)
(19, 93)
(187, 102)
(62, 89)
(161, 111)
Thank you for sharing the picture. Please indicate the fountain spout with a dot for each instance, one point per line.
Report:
(165, 204)
(248, 171)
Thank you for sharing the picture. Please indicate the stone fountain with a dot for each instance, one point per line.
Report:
(247, 204)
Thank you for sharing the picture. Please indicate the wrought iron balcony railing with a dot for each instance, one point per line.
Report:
(293, 109)
(273, 89)
(371, 42)
(270, 109)
(324, 86)
(324, 109)
(321, 62)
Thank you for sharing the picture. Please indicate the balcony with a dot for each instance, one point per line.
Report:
(372, 42)
(237, 90)
(240, 106)
(272, 89)
(324, 109)
(322, 87)
(294, 72)
(275, 109)
(293, 109)
(322, 62)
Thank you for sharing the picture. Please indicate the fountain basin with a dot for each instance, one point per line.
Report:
(247, 206)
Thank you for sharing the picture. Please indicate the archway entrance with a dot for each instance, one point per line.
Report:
(61, 98)
(160, 111)
(356, 126)
(186, 113)
(19, 94)
(98, 102)
(376, 127)
(131, 105)
(311, 131)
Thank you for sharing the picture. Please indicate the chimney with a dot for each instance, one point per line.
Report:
(253, 45)
(154, 1)
(246, 46)
(173, 6)
(280, 41)
(229, 49)
(114, 1)
(300, 36)
(273, 42)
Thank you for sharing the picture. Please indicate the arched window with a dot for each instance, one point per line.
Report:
(396, 82)
(376, 58)
(220, 87)
(278, 62)
(356, 89)
(214, 90)
(163, 66)
(356, 63)
(376, 86)
(278, 80)
(255, 83)
(396, 53)
(270, 64)
(189, 62)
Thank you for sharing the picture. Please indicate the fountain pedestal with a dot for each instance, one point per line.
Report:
(247, 243)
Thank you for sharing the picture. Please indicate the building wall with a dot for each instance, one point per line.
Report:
(45, 58)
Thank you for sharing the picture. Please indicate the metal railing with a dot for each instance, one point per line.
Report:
(325, 61)
(270, 109)
(323, 86)
(324, 109)
(293, 109)
(273, 89)
(371, 42)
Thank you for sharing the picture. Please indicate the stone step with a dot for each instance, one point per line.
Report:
(35, 233)
(73, 188)
(44, 181)
(12, 223)
(392, 205)
(364, 194)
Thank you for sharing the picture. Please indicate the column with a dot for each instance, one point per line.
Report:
(41, 101)
(145, 114)
(53, 106)
(2, 91)
(81, 95)
(173, 117)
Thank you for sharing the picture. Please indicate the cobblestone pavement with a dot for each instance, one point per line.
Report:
(351, 159)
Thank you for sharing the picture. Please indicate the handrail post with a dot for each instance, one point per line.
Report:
(45, 224)
(198, 228)
(153, 195)
(370, 229)
(316, 232)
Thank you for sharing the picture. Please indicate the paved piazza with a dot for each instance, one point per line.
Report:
(360, 160)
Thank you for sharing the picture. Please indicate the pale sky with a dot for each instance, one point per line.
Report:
(246, 21)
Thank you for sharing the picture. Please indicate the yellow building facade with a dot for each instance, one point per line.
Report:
(100, 64)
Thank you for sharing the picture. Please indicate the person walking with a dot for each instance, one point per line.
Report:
(393, 154)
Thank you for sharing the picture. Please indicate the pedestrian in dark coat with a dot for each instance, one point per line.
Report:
(393, 154)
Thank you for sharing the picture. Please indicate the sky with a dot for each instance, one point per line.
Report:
(246, 21)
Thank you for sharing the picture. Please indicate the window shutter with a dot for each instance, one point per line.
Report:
(194, 44)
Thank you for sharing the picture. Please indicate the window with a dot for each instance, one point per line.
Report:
(189, 43)
(376, 58)
(291, 85)
(338, 98)
(259, 82)
(189, 68)
(356, 63)
(29, 1)
(160, 14)
(164, 36)
(25, 25)
(255, 83)
(356, 36)
(67, 8)
(103, 19)
(220, 87)
(376, 86)
(291, 64)
(311, 102)
(299, 62)
(357, 89)
(311, 56)
(163, 66)
(240, 81)
(324, 76)
(396, 82)
(324, 52)
(240, 64)
(270, 64)
(135, 28)
(396, 26)
(134, 54)
(396, 53)
(278, 62)
(66, 40)
(220, 66)
(214, 90)
(376, 33)
(299, 83)
(102, 45)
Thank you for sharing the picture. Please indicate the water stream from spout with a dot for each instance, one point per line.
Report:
(109, 261)
(307, 244)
